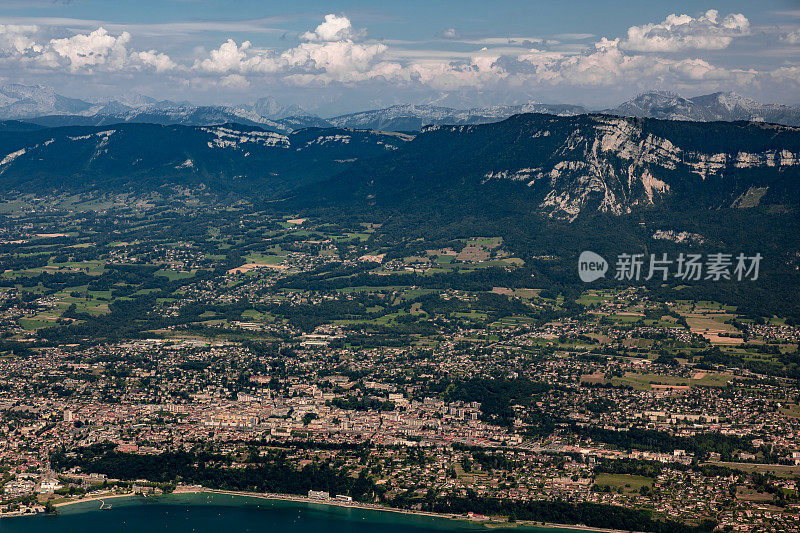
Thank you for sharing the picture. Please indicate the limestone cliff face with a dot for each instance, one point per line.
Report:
(614, 165)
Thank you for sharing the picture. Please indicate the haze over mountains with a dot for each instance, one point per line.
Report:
(42, 105)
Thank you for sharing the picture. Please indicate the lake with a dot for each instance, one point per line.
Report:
(214, 513)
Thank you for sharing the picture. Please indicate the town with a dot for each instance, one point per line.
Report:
(146, 351)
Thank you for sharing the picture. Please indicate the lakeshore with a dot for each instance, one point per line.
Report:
(195, 497)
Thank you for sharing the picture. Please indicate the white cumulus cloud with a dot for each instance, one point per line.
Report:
(683, 32)
(329, 53)
(606, 64)
(156, 60)
(231, 57)
(333, 28)
(334, 57)
(18, 39)
(98, 48)
(451, 33)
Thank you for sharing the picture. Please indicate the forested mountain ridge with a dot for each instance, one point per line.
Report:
(558, 166)
(565, 166)
(223, 158)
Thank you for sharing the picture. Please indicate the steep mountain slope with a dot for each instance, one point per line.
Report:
(661, 105)
(565, 166)
(731, 106)
(24, 101)
(228, 157)
(711, 107)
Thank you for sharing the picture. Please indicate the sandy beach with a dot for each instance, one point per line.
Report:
(97, 498)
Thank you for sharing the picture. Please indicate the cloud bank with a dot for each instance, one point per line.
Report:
(80, 53)
(667, 54)
(682, 32)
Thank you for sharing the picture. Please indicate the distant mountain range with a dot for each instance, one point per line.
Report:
(415, 117)
(710, 107)
(25, 101)
(727, 107)
(42, 105)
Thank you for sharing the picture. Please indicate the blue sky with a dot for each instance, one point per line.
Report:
(331, 57)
